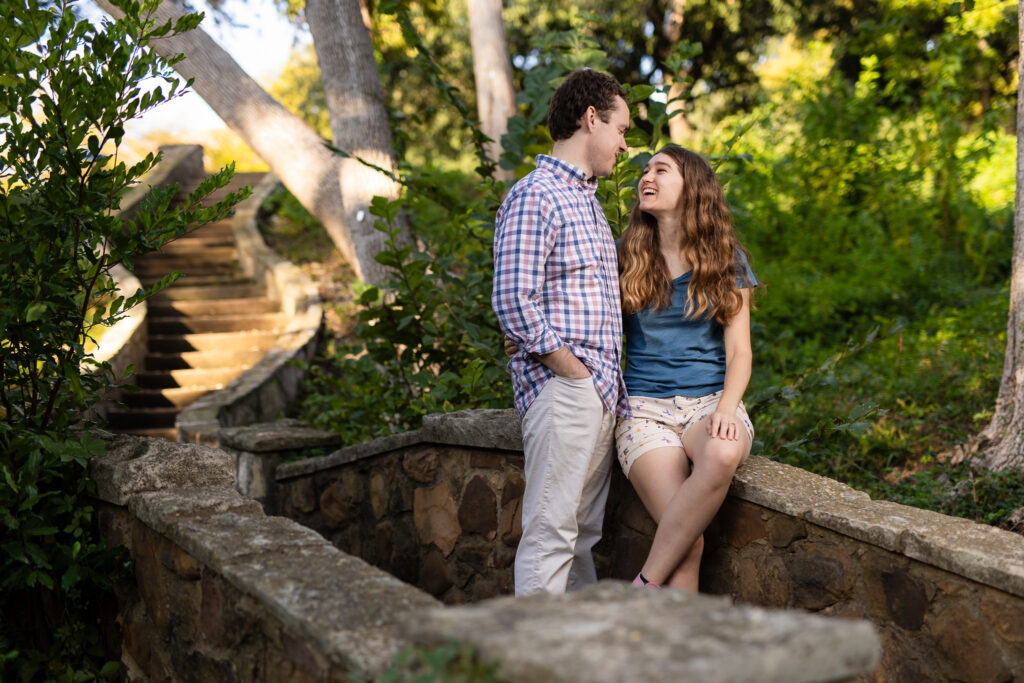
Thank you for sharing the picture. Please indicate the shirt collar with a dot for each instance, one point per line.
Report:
(567, 172)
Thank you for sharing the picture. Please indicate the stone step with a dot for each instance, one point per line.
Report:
(256, 322)
(198, 277)
(200, 239)
(196, 342)
(215, 341)
(212, 280)
(220, 229)
(183, 262)
(162, 398)
(189, 377)
(202, 360)
(214, 307)
(143, 418)
(168, 433)
(233, 289)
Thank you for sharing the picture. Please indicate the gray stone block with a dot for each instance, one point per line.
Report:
(343, 456)
(352, 611)
(480, 428)
(984, 553)
(616, 632)
(789, 489)
(222, 539)
(161, 509)
(283, 435)
(134, 464)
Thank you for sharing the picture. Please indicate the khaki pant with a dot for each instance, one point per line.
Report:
(568, 445)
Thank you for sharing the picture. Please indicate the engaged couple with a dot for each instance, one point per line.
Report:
(678, 285)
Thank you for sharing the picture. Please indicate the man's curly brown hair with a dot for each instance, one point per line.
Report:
(582, 89)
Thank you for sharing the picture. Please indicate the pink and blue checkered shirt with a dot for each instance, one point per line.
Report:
(556, 281)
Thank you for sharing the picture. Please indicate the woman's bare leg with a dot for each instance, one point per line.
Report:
(657, 475)
(695, 501)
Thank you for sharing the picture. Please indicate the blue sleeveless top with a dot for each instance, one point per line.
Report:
(669, 354)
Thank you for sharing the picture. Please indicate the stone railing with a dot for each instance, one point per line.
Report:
(262, 391)
(124, 344)
(224, 592)
(440, 507)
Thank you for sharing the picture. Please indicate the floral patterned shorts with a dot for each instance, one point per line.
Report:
(661, 422)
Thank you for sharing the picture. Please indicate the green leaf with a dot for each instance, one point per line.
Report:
(639, 93)
(35, 311)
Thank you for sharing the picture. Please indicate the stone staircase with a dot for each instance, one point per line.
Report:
(203, 331)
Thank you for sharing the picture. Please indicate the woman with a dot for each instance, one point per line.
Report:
(685, 287)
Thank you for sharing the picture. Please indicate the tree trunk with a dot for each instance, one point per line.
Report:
(672, 28)
(1003, 440)
(358, 116)
(292, 149)
(492, 71)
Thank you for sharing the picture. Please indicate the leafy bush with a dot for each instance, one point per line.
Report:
(867, 211)
(425, 342)
(68, 89)
(886, 415)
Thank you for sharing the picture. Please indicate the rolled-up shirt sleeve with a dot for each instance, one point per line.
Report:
(524, 236)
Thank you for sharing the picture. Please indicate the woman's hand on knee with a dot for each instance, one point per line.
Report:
(724, 425)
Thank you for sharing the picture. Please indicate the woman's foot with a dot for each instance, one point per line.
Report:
(641, 581)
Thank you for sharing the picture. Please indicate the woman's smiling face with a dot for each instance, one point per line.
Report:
(661, 186)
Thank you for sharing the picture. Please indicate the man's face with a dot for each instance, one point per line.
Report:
(607, 139)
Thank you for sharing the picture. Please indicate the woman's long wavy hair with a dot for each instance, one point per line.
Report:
(707, 240)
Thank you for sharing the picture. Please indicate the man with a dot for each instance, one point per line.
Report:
(556, 295)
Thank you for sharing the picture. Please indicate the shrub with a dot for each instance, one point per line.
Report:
(67, 90)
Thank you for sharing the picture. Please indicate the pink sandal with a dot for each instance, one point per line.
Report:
(641, 581)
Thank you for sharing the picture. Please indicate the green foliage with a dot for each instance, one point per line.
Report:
(427, 340)
(878, 414)
(961, 490)
(298, 237)
(67, 92)
(876, 203)
(854, 210)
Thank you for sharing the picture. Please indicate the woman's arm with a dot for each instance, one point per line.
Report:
(738, 365)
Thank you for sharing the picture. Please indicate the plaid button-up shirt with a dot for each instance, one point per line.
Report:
(556, 281)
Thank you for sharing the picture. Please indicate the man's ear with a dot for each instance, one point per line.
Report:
(589, 119)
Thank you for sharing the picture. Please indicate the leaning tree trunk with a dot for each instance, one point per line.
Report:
(1003, 439)
(291, 148)
(492, 71)
(358, 116)
(672, 28)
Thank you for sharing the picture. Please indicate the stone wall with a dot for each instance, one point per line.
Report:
(223, 592)
(439, 507)
(946, 594)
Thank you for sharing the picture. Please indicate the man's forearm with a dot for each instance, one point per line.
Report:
(562, 362)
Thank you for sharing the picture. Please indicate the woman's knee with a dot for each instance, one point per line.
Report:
(723, 457)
